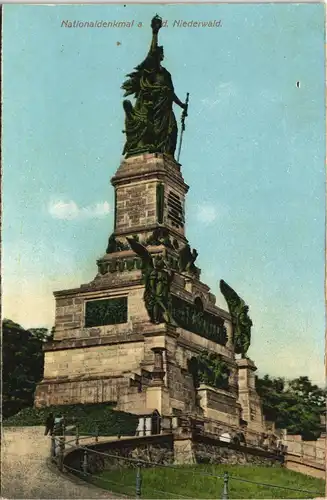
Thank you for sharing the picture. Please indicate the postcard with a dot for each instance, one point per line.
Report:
(163, 230)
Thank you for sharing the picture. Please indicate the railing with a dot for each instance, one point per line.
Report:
(92, 462)
(252, 438)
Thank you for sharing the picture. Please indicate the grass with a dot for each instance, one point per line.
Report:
(200, 482)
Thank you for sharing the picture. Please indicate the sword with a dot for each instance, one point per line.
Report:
(184, 114)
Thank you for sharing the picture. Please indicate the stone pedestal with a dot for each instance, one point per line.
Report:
(149, 191)
(220, 405)
(157, 395)
(248, 397)
(105, 347)
(157, 398)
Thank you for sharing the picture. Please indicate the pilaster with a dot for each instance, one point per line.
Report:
(248, 397)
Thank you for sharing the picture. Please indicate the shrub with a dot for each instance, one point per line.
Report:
(109, 422)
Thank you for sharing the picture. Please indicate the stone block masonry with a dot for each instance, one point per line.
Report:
(138, 207)
(105, 346)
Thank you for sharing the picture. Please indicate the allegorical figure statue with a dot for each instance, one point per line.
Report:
(157, 280)
(150, 125)
(209, 368)
(241, 322)
(186, 259)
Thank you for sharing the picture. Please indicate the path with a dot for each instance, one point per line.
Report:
(27, 472)
(305, 466)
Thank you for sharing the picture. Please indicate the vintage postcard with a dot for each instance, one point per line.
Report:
(163, 263)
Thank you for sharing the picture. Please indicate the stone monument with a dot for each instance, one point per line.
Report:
(145, 333)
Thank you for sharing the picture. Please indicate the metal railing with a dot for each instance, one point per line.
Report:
(60, 445)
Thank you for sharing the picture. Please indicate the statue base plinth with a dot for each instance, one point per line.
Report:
(248, 397)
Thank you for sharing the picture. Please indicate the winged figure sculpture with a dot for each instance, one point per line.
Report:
(157, 278)
(240, 319)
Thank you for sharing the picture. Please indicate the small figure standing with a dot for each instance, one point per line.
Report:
(58, 422)
(49, 424)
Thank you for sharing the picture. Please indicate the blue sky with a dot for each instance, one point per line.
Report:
(253, 155)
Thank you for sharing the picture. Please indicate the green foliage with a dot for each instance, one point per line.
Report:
(296, 405)
(88, 417)
(41, 334)
(187, 482)
(23, 363)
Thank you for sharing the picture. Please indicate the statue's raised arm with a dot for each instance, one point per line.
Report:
(156, 24)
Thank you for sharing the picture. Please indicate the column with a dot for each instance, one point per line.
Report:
(158, 372)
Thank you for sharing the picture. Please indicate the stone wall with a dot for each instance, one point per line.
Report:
(180, 349)
(88, 363)
(314, 451)
(70, 312)
(171, 449)
(248, 396)
(97, 390)
(219, 405)
(157, 449)
(105, 360)
(136, 205)
(135, 183)
(209, 451)
(181, 389)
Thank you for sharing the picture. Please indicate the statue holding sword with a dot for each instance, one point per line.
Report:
(150, 124)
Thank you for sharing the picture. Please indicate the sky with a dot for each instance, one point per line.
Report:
(253, 155)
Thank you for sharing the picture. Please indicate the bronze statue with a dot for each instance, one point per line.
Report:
(240, 319)
(209, 368)
(157, 279)
(115, 245)
(186, 259)
(150, 126)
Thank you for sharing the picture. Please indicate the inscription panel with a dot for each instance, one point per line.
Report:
(189, 317)
(105, 312)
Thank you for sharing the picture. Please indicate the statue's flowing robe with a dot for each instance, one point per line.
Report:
(151, 124)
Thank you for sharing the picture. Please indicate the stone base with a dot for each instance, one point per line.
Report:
(157, 397)
(104, 343)
(248, 396)
(99, 390)
(220, 405)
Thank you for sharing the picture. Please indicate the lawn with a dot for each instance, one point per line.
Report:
(200, 482)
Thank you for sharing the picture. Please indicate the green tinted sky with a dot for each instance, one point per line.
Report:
(253, 156)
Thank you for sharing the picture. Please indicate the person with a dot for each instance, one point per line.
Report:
(49, 424)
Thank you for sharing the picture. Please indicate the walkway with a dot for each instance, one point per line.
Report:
(27, 471)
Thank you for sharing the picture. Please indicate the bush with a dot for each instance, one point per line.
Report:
(88, 417)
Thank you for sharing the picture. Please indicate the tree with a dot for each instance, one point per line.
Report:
(295, 405)
(22, 365)
(40, 333)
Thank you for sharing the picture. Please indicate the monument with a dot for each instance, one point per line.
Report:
(146, 333)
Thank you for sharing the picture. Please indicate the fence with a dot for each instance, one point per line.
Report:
(129, 476)
(251, 438)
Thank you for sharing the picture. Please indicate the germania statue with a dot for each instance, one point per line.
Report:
(150, 125)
